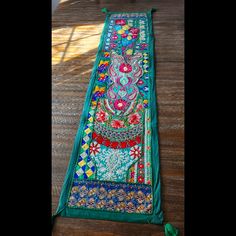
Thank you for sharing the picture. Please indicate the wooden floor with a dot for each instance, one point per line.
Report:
(76, 30)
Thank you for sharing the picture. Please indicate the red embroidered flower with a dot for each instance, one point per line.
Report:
(134, 36)
(120, 104)
(132, 174)
(101, 116)
(124, 35)
(141, 166)
(134, 30)
(120, 22)
(114, 144)
(149, 182)
(134, 118)
(140, 179)
(132, 143)
(135, 152)
(117, 124)
(94, 148)
(123, 144)
(125, 68)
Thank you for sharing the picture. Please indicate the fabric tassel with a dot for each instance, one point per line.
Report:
(170, 230)
(55, 215)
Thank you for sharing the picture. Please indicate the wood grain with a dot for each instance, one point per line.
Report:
(76, 31)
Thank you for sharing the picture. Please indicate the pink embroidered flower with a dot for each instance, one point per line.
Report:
(134, 30)
(101, 116)
(143, 45)
(140, 82)
(115, 37)
(139, 107)
(120, 104)
(134, 36)
(134, 118)
(94, 148)
(98, 104)
(120, 22)
(135, 151)
(113, 45)
(132, 174)
(124, 35)
(117, 124)
(125, 68)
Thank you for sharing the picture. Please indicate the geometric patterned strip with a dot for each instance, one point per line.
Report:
(85, 168)
(147, 148)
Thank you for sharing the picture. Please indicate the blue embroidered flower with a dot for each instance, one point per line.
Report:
(145, 88)
(101, 68)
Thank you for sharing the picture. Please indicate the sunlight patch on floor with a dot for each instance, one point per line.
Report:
(72, 42)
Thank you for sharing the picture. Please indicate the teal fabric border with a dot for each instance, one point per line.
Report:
(157, 216)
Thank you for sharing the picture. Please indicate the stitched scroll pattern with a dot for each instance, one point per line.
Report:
(115, 153)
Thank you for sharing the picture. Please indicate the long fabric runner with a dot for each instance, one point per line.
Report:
(113, 172)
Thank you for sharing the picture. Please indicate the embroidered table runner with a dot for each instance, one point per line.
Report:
(114, 167)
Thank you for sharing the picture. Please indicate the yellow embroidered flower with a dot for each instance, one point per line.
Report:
(99, 89)
(94, 103)
(121, 31)
(106, 63)
(106, 54)
(129, 51)
(129, 37)
(100, 63)
(125, 27)
(145, 101)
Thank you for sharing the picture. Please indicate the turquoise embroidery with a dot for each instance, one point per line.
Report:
(113, 171)
(113, 164)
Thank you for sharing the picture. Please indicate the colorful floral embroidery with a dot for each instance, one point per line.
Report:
(101, 116)
(109, 196)
(113, 171)
(116, 144)
(117, 124)
(125, 68)
(134, 118)
(135, 152)
(120, 104)
(94, 148)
